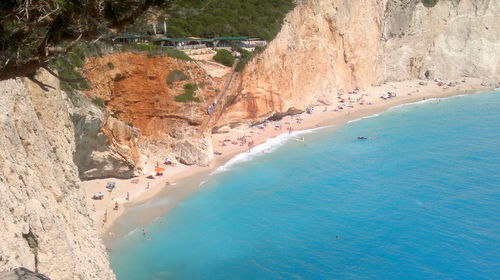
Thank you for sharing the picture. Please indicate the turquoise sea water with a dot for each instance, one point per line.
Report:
(421, 201)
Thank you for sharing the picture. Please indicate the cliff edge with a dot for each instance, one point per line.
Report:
(45, 224)
(327, 47)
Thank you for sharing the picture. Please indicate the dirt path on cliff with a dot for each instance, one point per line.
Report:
(221, 102)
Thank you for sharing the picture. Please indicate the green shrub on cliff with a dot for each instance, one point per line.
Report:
(188, 95)
(154, 50)
(224, 57)
(99, 102)
(429, 3)
(246, 56)
(67, 66)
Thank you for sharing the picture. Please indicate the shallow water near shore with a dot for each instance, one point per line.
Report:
(419, 201)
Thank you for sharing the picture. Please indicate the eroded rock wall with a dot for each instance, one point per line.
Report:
(105, 146)
(455, 38)
(45, 224)
(331, 46)
(136, 89)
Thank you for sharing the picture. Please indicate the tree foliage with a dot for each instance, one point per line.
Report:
(34, 31)
(214, 18)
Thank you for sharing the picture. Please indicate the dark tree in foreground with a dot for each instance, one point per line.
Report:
(34, 31)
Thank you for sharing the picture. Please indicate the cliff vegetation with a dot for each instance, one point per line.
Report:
(213, 18)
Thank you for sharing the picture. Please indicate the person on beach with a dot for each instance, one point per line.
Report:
(105, 219)
(116, 206)
(147, 187)
(143, 232)
(128, 196)
(250, 145)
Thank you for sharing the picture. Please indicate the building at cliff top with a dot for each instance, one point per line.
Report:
(188, 42)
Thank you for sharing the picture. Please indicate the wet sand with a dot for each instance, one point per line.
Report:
(148, 203)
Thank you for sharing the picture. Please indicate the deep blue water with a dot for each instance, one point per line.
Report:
(421, 201)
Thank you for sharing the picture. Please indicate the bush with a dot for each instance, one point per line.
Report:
(154, 50)
(190, 86)
(66, 65)
(241, 65)
(429, 3)
(173, 53)
(99, 102)
(259, 49)
(188, 95)
(224, 57)
(176, 75)
(246, 56)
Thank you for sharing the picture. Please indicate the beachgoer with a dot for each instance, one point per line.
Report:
(143, 232)
(128, 196)
(116, 206)
(147, 186)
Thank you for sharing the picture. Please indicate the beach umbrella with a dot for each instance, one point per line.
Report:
(159, 169)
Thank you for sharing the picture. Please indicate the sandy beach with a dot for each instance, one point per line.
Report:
(364, 102)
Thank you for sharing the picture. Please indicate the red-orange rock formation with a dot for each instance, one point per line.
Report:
(135, 90)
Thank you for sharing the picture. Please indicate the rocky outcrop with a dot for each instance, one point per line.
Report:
(189, 154)
(22, 273)
(45, 224)
(331, 46)
(454, 38)
(105, 146)
(137, 90)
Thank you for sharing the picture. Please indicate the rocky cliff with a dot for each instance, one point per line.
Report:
(105, 146)
(45, 224)
(142, 91)
(331, 46)
(50, 140)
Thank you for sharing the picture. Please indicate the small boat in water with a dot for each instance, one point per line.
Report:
(362, 137)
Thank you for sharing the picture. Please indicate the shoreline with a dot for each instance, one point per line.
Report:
(185, 180)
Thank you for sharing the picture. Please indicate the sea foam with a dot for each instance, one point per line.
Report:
(265, 148)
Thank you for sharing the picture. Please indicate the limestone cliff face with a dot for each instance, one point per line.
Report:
(454, 38)
(105, 146)
(330, 46)
(45, 225)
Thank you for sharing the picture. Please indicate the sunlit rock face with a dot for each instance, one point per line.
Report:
(331, 46)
